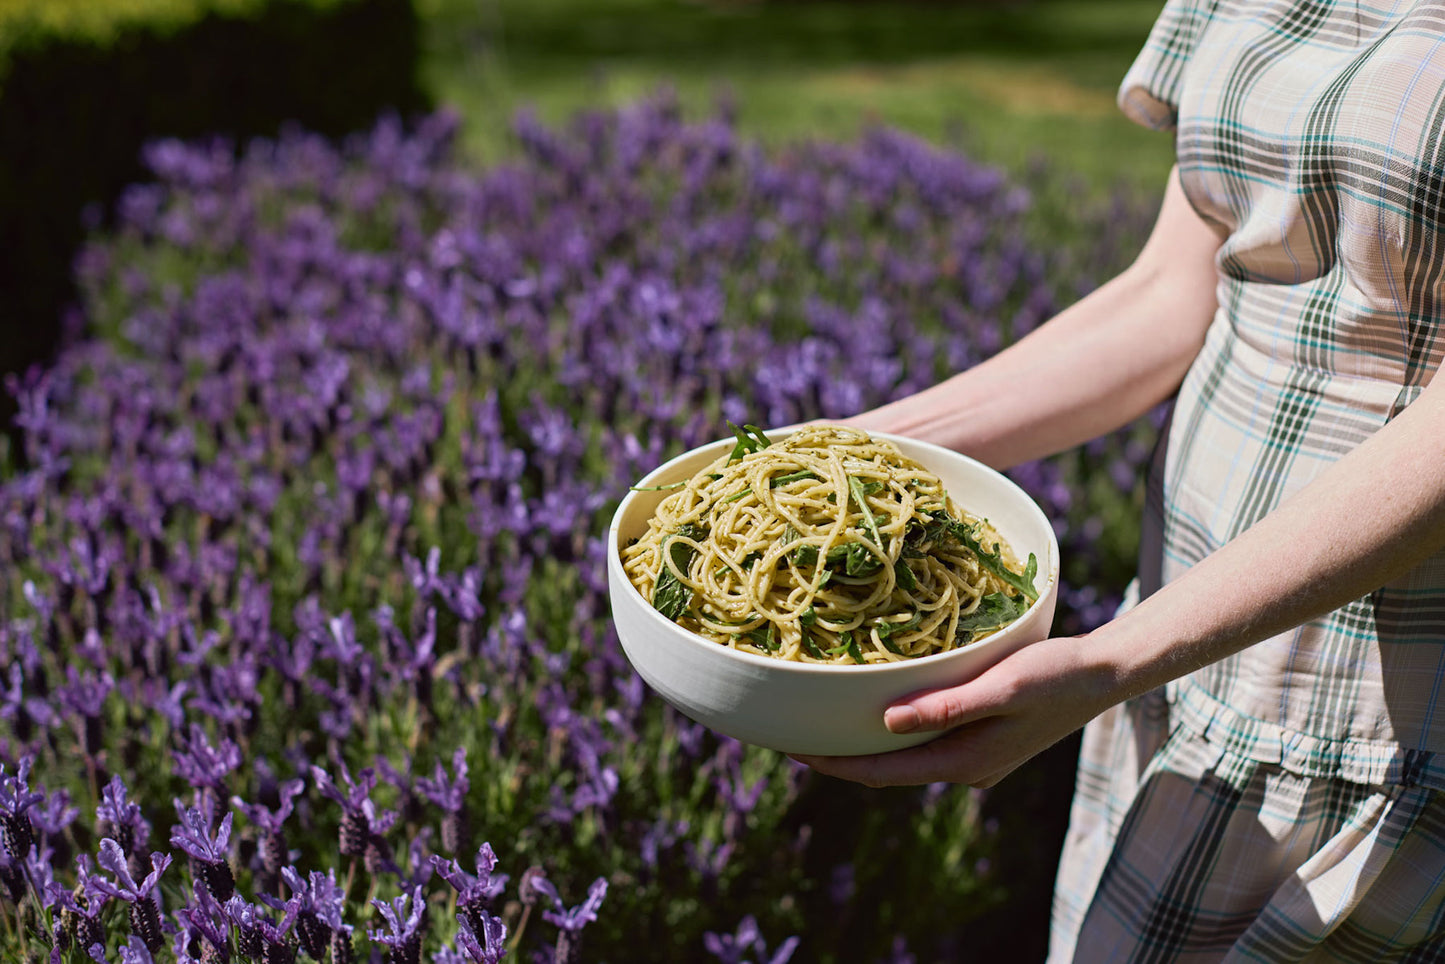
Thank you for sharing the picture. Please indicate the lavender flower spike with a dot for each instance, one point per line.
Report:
(568, 921)
(451, 797)
(16, 832)
(319, 901)
(481, 889)
(731, 948)
(361, 825)
(122, 818)
(208, 851)
(125, 888)
(402, 936)
(576, 918)
(80, 911)
(145, 915)
(274, 852)
(488, 947)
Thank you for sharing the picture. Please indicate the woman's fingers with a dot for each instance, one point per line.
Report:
(994, 722)
(963, 756)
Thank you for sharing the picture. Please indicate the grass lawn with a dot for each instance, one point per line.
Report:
(1009, 82)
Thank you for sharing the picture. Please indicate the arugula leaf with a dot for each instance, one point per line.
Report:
(849, 646)
(811, 646)
(750, 439)
(763, 638)
(860, 495)
(994, 611)
(852, 558)
(886, 629)
(657, 488)
(993, 561)
(903, 575)
(798, 476)
(670, 596)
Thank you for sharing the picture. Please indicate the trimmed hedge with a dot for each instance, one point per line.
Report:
(76, 108)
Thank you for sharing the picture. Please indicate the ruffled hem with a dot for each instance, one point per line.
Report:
(1368, 762)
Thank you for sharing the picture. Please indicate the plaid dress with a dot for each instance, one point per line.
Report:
(1285, 803)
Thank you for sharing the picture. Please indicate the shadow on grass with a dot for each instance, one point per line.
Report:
(813, 32)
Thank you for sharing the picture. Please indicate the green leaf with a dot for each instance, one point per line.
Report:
(658, 488)
(750, 439)
(849, 646)
(993, 561)
(904, 575)
(671, 596)
(798, 476)
(994, 611)
(764, 637)
(853, 559)
(887, 629)
(859, 492)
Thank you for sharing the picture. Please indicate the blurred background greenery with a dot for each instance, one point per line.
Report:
(1012, 81)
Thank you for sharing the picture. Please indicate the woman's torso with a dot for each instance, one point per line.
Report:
(1314, 133)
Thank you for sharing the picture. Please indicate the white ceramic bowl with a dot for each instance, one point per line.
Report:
(812, 708)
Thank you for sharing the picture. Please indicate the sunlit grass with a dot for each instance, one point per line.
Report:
(1013, 84)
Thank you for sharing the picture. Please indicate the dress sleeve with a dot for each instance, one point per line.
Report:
(1149, 94)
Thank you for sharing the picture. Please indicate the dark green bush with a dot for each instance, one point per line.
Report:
(76, 105)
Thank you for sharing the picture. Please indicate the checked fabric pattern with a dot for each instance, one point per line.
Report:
(1314, 133)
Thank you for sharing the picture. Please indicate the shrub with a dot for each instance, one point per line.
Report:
(84, 85)
(304, 632)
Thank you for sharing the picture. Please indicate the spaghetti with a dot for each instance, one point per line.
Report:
(829, 546)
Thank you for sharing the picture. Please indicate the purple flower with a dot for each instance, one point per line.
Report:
(145, 917)
(578, 917)
(489, 945)
(206, 920)
(16, 797)
(320, 901)
(485, 886)
(124, 887)
(81, 908)
(122, 819)
(402, 934)
(271, 824)
(733, 948)
(361, 824)
(205, 766)
(208, 850)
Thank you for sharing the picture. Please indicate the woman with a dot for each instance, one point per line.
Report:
(1261, 771)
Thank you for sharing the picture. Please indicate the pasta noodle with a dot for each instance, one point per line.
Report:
(829, 546)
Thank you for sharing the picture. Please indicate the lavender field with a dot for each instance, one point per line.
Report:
(304, 643)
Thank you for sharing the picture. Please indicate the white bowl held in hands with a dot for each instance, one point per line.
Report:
(810, 708)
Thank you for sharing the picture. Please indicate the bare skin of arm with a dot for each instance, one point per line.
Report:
(1095, 366)
(1309, 556)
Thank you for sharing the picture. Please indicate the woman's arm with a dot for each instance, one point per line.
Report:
(1095, 366)
(1365, 521)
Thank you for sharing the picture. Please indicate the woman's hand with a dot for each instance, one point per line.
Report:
(1010, 712)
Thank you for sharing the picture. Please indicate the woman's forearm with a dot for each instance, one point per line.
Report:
(1097, 365)
(1371, 517)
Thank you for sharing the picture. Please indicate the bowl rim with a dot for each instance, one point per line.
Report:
(614, 568)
